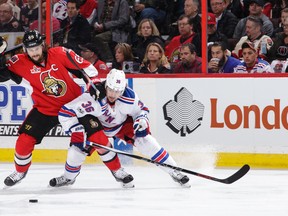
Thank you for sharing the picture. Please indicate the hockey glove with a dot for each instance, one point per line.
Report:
(78, 138)
(97, 89)
(141, 126)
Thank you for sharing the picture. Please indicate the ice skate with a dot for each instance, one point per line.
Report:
(14, 178)
(61, 181)
(178, 177)
(123, 177)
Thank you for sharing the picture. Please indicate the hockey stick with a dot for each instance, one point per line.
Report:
(83, 73)
(236, 176)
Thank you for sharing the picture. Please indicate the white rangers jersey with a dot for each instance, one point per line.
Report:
(261, 66)
(112, 117)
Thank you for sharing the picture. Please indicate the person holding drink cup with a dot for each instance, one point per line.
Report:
(220, 62)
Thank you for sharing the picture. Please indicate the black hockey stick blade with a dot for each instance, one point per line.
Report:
(236, 176)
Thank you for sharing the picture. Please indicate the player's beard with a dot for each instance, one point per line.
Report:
(41, 59)
(37, 58)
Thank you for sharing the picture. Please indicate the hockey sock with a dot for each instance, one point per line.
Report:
(109, 158)
(23, 152)
(149, 147)
(75, 159)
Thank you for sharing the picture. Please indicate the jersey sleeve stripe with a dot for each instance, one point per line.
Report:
(65, 112)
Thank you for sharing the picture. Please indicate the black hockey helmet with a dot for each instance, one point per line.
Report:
(32, 38)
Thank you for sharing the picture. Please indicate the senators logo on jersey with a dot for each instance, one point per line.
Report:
(52, 86)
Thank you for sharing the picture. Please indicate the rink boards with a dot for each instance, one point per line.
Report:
(236, 120)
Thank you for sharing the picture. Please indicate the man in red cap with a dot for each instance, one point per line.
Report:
(251, 63)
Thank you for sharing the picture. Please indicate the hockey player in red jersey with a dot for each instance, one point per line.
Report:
(124, 116)
(50, 73)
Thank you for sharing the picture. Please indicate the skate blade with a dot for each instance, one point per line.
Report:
(128, 185)
(186, 185)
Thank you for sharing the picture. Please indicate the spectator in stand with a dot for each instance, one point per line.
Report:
(255, 9)
(29, 13)
(90, 52)
(213, 34)
(236, 7)
(124, 59)
(190, 62)
(155, 61)
(279, 50)
(220, 61)
(112, 25)
(279, 66)
(278, 6)
(59, 9)
(191, 9)
(284, 15)
(226, 21)
(251, 63)
(262, 42)
(8, 23)
(267, 8)
(88, 9)
(76, 29)
(16, 10)
(55, 22)
(187, 35)
(147, 33)
(151, 9)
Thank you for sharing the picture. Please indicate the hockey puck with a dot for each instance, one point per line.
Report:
(33, 200)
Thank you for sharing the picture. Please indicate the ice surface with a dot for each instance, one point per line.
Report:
(259, 193)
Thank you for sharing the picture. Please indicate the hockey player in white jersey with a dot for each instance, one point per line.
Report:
(123, 115)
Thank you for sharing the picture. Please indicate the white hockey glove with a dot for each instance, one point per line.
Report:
(141, 126)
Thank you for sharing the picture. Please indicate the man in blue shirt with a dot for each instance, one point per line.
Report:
(220, 62)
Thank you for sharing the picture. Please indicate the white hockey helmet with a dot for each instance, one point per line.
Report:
(116, 80)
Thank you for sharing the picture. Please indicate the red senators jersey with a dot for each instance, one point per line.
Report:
(52, 84)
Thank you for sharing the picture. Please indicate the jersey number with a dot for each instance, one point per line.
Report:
(88, 108)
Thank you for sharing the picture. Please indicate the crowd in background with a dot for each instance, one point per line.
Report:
(162, 36)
